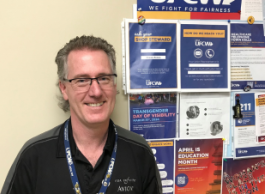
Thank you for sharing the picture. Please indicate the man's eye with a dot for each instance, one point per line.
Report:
(81, 81)
(104, 78)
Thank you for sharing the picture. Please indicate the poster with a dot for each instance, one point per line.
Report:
(243, 176)
(204, 115)
(189, 9)
(245, 144)
(204, 56)
(260, 117)
(153, 115)
(164, 155)
(247, 56)
(198, 166)
(151, 56)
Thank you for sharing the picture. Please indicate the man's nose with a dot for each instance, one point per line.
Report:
(95, 89)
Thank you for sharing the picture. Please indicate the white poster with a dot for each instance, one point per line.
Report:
(204, 115)
(247, 56)
(260, 116)
(251, 8)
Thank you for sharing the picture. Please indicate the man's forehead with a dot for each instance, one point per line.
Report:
(87, 63)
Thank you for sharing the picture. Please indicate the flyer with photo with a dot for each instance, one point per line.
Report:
(153, 115)
(243, 176)
(204, 115)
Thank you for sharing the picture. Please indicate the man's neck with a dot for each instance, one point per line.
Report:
(90, 140)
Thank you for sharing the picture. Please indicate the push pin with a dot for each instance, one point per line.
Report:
(247, 88)
(141, 20)
(251, 19)
(237, 108)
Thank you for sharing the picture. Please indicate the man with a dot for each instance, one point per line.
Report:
(87, 153)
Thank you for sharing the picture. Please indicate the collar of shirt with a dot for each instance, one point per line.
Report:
(74, 149)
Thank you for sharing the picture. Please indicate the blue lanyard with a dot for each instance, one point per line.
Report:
(107, 177)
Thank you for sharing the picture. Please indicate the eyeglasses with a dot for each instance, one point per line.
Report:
(83, 84)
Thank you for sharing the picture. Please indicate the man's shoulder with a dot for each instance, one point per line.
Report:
(28, 152)
(130, 136)
(47, 135)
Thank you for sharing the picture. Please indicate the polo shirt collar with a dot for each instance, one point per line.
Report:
(74, 149)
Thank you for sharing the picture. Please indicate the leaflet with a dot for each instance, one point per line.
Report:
(204, 115)
(247, 56)
(260, 116)
(198, 166)
(203, 55)
(151, 56)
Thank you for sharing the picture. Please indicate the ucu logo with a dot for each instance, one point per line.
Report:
(192, 2)
(235, 85)
(202, 43)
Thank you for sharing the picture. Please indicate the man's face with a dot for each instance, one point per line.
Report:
(94, 106)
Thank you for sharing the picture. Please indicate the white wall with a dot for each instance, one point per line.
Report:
(31, 33)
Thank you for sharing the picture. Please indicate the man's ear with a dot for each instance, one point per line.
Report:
(63, 89)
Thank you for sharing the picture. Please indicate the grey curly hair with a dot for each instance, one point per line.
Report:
(78, 43)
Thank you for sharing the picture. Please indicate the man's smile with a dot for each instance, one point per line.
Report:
(95, 104)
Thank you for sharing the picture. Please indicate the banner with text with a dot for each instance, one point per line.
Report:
(189, 9)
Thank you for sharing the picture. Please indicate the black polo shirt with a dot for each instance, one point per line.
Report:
(41, 166)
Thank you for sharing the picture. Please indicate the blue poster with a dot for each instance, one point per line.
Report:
(164, 154)
(218, 6)
(204, 57)
(153, 116)
(152, 56)
(244, 131)
(247, 56)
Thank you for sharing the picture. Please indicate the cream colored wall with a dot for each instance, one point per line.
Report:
(31, 33)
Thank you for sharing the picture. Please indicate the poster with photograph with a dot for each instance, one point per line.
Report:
(198, 166)
(204, 115)
(245, 143)
(164, 155)
(243, 176)
(151, 56)
(247, 56)
(153, 115)
(204, 56)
